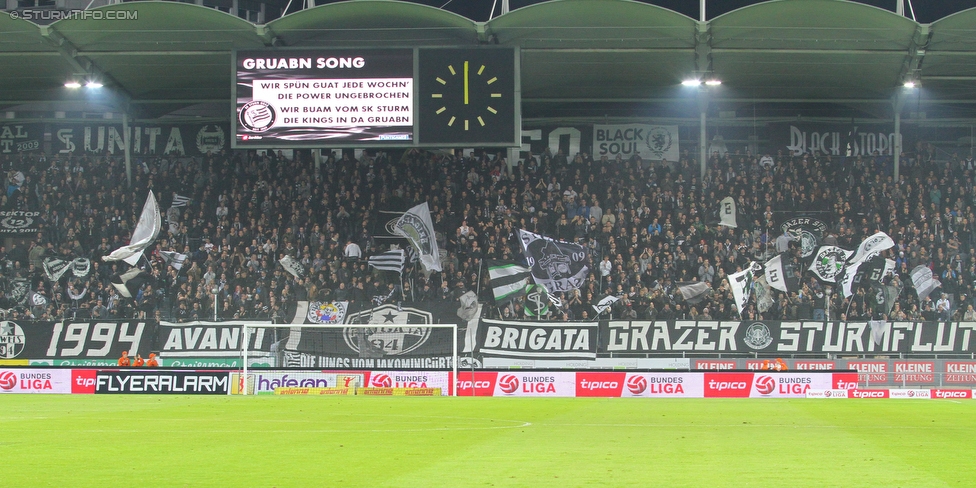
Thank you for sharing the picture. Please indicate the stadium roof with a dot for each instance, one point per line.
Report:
(578, 56)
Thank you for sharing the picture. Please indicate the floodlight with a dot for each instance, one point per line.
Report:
(691, 83)
(72, 84)
(713, 82)
(93, 84)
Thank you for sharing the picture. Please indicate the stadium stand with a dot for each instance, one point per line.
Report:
(649, 222)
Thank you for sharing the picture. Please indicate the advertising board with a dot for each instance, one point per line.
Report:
(28, 380)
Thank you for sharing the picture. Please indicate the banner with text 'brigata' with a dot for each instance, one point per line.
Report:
(774, 337)
(73, 343)
(538, 340)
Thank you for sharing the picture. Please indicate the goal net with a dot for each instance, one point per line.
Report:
(376, 349)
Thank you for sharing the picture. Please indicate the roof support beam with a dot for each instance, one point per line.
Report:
(911, 68)
(638, 50)
(268, 36)
(703, 49)
(871, 52)
(154, 53)
(84, 66)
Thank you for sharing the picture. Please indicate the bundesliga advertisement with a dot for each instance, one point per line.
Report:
(296, 98)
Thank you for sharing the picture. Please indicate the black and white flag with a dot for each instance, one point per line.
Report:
(605, 303)
(55, 268)
(416, 226)
(180, 200)
(508, 280)
(871, 246)
(828, 262)
(809, 232)
(292, 266)
(924, 281)
(388, 261)
(883, 297)
(741, 284)
(849, 277)
(142, 236)
(128, 283)
(174, 259)
(763, 293)
(557, 265)
(727, 213)
(780, 273)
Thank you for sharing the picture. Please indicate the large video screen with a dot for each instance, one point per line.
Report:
(324, 98)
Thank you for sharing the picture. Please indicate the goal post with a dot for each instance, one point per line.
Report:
(394, 347)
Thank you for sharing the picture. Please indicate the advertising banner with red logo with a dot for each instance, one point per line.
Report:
(914, 372)
(814, 365)
(867, 394)
(832, 394)
(960, 372)
(789, 385)
(477, 383)
(35, 381)
(952, 394)
(83, 381)
(844, 381)
(411, 379)
(870, 371)
(550, 384)
(910, 394)
(728, 385)
(664, 385)
(716, 364)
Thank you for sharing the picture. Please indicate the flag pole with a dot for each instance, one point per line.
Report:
(481, 262)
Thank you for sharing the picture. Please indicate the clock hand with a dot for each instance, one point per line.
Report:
(465, 82)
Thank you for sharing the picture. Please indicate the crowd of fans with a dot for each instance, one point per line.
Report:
(646, 224)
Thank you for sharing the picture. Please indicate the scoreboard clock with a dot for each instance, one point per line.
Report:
(468, 96)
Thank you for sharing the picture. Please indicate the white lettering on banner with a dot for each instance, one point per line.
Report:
(208, 138)
(549, 340)
(338, 102)
(161, 383)
(356, 62)
(100, 335)
(632, 336)
(834, 143)
(597, 385)
(8, 140)
(727, 385)
(209, 340)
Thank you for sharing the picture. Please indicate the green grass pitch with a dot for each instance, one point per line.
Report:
(283, 441)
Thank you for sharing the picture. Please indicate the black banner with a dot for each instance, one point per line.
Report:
(538, 340)
(772, 337)
(20, 138)
(209, 339)
(834, 139)
(19, 223)
(74, 340)
(163, 382)
(176, 139)
(571, 140)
